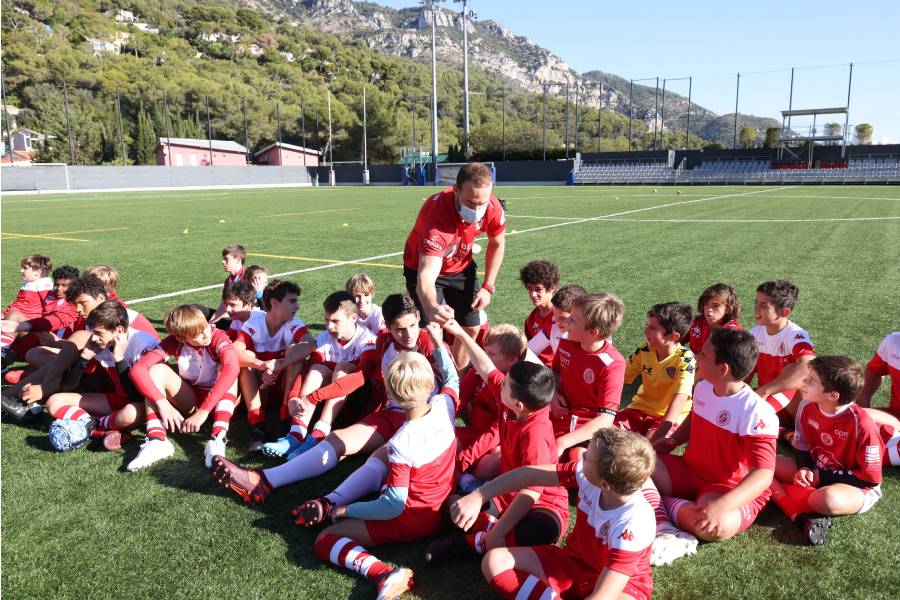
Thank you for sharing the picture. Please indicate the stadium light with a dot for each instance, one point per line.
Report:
(69, 124)
(434, 121)
(465, 29)
(737, 94)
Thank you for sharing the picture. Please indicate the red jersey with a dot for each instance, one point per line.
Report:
(887, 362)
(730, 435)
(421, 456)
(234, 278)
(31, 297)
(700, 331)
(618, 539)
(525, 442)
(440, 231)
(329, 351)
(255, 335)
(846, 441)
(589, 381)
(214, 367)
(535, 324)
(59, 315)
(779, 350)
(479, 400)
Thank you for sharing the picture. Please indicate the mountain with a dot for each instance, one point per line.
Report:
(495, 49)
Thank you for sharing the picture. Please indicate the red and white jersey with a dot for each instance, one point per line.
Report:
(386, 350)
(330, 351)
(30, 299)
(58, 316)
(235, 328)
(619, 538)
(440, 231)
(254, 334)
(540, 332)
(138, 322)
(589, 380)
(730, 435)
(139, 343)
(846, 441)
(887, 362)
(779, 350)
(700, 331)
(422, 455)
(374, 322)
(234, 278)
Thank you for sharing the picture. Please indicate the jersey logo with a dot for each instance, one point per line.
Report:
(842, 434)
(873, 455)
(812, 424)
(723, 417)
(826, 439)
(604, 529)
(588, 376)
(799, 336)
(760, 424)
(626, 535)
(432, 245)
(251, 330)
(670, 371)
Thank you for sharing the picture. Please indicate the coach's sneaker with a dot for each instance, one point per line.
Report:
(214, 447)
(308, 444)
(395, 584)
(250, 484)
(258, 437)
(152, 451)
(281, 447)
(452, 545)
(815, 528)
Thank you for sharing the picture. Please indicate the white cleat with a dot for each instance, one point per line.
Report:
(152, 451)
(214, 447)
(395, 584)
(671, 544)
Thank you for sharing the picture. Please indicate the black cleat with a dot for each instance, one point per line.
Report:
(258, 437)
(451, 545)
(14, 407)
(815, 528)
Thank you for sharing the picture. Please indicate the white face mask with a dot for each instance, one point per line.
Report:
(471, 215)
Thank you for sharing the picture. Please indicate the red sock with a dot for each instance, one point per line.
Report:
(256, 417)
(792, 499)
(155, 428)
(475, 536)
(222, 414)
(511, 584)
(345, 552)
(109, 422)
(671, 506)
(69, 412)
(652, 495)
(298, 429)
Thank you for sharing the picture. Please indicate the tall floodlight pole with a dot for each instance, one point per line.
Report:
(465, 29)
(209, 132)
(330, 145)
(434, 121)
(790, 103)
(656, 115)
(365, 158)
(545, 121)
(6, 119)
(303, 131)
(503, 124)
(119, 120)
(566, 121)
(847, 116)
(575, 148)
(662, 119)
(600, 118)
(69, 124)
(737, 94)
(415, 147)
(246, 133)
(166, 117)
(687, 127)
(278, 128)
(630, 112)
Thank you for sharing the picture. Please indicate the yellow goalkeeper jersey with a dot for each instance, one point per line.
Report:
(661, 380)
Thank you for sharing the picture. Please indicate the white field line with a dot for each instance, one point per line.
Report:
(808, 197)
(391, 254)
(541, 217)
(752, 220)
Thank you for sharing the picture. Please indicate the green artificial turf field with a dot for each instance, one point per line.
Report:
(76, 525)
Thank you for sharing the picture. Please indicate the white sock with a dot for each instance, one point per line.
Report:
(320, 459)
(366, 480)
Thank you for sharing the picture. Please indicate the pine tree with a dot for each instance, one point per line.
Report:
(146, 139)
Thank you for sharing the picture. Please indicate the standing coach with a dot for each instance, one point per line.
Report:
(440, 273)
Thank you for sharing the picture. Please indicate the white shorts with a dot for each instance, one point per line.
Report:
(870, 497)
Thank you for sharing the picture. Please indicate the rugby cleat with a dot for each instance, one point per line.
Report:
(250, 484)
(214, 447)
(312, 512)
(152, 451)
(308, 444)
(395, 584)
(671, 543)
(815, 528)
(13, 406)
(281, 447)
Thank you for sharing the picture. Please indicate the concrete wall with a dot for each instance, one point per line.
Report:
(538, 171)
(50, 178)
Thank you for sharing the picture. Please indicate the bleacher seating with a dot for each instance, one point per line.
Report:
(637, 172)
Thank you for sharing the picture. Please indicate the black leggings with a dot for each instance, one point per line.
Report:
(539, 526)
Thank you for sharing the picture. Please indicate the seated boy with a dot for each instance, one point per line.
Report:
(785, 349)
(233, 263)
(258, 277)
(58, 316)
(729, 462)
(362, 288)
(110, 278)
(886, 362)
(666, 369)
(545, 345)
(590, 371)
(607, 554)
(271, 345)
(109, 348)
(417, 479)
(206, 383)
(533, 515)
(540, 278)
(337, 353)
(29, 302)
(838, 466)
(239, 300)
(364, 437)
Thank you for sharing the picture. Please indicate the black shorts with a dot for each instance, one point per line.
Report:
(457, 291)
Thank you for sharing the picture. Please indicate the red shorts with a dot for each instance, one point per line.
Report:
(634, 420)
(688, 485)
(570, 577)
(385, 422)
(412, 525)
(116, 400)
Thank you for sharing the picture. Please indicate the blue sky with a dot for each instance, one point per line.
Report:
(712, 41)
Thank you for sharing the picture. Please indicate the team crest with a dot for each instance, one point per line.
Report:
(588, 376)
(826, 439)
(604, 529)
(723, 418)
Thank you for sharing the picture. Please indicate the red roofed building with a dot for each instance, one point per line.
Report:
(186, 152)
(286, 155)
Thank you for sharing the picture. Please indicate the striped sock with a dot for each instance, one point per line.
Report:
(73, 413)
(222, 414)
(518, 585)
(345, 552)
(108, 422)
(792, 499)
(321, 430)
(299, 427)
(672, 506)
(155, 428)
(652, 495)
(475, 535)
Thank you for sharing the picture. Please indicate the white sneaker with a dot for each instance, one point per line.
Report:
(671, 543)
(214, 447)
(152, 451)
